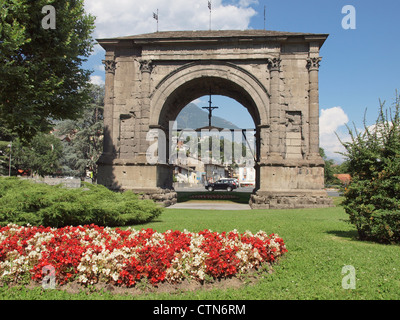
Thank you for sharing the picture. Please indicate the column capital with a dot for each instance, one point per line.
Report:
(146, 66)
(110, 65)
(313, 63)
(274, 64)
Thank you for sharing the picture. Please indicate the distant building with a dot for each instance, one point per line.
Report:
(344, 178)
(185, 174)
(214, 172)
(246, 176)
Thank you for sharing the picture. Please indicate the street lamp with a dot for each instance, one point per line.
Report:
(9, 164)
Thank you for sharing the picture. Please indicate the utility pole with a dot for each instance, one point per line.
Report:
(209, 7)
(264, 17)
(155, 16)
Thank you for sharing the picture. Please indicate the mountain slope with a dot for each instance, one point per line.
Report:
(194, 117)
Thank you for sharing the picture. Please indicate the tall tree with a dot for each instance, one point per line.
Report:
(83, 138)
(41, 156)
(41, 75)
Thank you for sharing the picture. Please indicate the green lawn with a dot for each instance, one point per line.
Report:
(320, 243)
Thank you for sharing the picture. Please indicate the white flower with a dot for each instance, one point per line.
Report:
(82, 278)
(115, 276)
(81, 268)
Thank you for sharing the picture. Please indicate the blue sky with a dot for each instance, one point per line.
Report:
(359, 66)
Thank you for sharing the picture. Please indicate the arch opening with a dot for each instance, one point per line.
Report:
(231, 153)
(204, 86)
(230, 143)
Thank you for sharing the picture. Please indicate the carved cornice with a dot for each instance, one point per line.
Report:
(274, 64)
(146, 66)
(313, 63)
(110, 65)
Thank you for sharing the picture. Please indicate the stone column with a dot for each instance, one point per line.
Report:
(274, 67)
(263, 133)
(146, 67)
(313, 68)
(108, 146)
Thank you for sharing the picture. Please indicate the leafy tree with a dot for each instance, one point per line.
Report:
(329, 171)
(41, 78)
(372, 199)
(41, 156)
(341, 168)
(83, 138)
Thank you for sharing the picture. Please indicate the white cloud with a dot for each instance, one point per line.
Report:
(246, 3)
(333, 120)
(198, 101)
(100, 67)
(129, 17)
(97, 80)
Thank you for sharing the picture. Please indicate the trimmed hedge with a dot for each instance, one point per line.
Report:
(24, 202)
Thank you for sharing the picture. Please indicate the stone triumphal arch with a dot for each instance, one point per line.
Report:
(150, 78)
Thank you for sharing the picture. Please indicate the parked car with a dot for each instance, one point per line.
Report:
(221, 185)
(233, 180)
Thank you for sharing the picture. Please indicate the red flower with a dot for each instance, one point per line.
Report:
(151, 254)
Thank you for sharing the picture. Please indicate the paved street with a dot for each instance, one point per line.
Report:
(333, 193)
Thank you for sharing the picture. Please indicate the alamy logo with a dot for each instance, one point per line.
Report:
(349, 279)
(49, 21)
(225, 146)
(49, 279)
(349, 20)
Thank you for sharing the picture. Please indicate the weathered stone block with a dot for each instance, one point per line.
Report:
(293, 150)
(293, 135)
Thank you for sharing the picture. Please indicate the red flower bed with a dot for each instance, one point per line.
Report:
(92, 254)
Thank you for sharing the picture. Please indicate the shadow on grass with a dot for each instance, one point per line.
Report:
(353, 235)
(349, 234)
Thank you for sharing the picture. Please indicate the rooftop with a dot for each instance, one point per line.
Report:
(214, 34)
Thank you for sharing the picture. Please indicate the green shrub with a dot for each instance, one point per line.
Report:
(24, 202)
(372, 199)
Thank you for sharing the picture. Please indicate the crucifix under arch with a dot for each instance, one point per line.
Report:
(210, 109)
